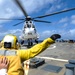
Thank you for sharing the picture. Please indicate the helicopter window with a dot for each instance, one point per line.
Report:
(30, 21)
(28, 25)
(33, 26)
(25, 26)
(35, 30)
(26, 22)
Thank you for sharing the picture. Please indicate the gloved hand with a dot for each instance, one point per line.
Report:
(55, 36)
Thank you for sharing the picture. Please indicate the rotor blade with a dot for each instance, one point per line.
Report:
(21, 7)
(10, 19)
(55, 13)
(18, 23)
(42, 21)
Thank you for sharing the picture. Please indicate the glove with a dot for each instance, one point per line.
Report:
(55, 36)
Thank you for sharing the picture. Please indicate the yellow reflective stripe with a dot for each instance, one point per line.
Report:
(8, 52)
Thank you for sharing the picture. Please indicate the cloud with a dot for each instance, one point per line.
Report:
(69, 34)
(1, 1)
(35, 5)
(67, 21)
(8, 8)
(65, 25)
(47, 33)
(57, 5)
(64, 34)
(30, 6)
(73, 19)
(16, 32)
(1, 26)
(64, 20)
(73, 22)
(72, 31)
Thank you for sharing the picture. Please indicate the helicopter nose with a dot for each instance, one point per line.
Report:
(29, 33)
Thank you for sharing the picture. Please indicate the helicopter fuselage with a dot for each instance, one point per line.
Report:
(29, 32)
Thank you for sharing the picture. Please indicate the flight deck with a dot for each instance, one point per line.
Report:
(56, 56)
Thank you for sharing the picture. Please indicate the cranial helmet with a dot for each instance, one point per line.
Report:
(10, 41)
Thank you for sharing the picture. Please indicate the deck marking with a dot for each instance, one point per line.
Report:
(52, 47)
(63, 60)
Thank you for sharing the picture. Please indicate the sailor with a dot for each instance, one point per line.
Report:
(10, 49)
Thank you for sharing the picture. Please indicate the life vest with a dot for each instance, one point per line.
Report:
(15, 66)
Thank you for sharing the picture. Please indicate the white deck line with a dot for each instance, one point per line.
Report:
(50, 58)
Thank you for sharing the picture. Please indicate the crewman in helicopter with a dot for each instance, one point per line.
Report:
(16, 56)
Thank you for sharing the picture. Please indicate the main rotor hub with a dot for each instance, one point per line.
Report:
(28, 18)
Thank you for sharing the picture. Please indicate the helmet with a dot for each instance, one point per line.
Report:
(10, 41)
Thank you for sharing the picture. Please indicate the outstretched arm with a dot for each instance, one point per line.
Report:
(35, 50)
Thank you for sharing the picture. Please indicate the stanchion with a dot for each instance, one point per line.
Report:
(69, 69)
(72, 62)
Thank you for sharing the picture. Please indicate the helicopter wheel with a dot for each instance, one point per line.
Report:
(28, 43)
(31, 43)
(22, 42)
(36, 41)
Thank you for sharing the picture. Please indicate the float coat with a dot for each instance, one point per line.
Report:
(17, 57)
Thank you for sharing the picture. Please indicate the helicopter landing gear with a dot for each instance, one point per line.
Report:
(22, 42)
(30, 43)
(36, 41)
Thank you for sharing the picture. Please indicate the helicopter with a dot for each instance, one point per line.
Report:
(29, 31)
